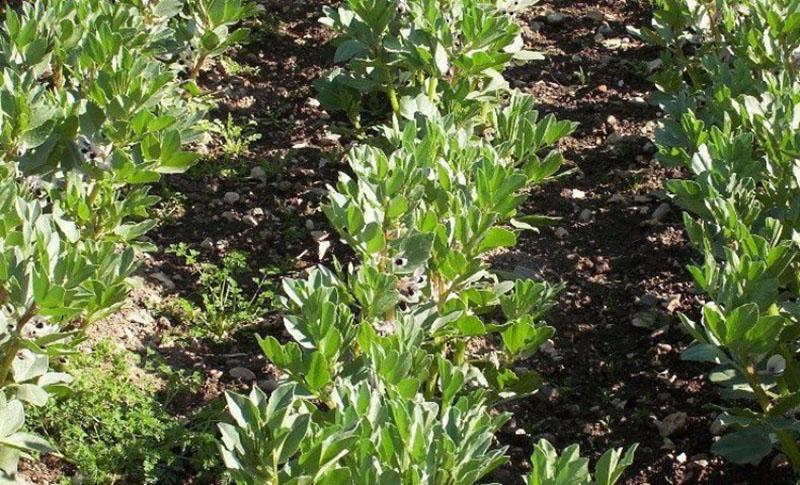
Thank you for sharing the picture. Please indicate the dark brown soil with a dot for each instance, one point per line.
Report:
(608, 380)
(611, 380)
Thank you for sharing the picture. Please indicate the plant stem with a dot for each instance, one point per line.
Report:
(392, 93)
(434, 82)
(8, 360)
(198, 65)
(787, 442)
(14, 346)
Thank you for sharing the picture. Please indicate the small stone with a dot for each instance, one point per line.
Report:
(681, 458)
(585, 215)
(602, 266)
(614, 138)
(654, 64)
(639, 102)
(673, 304)
(578, 194)
(207, 244)
(645, 319)
(548, 392)
(700, 460)
(605, 29)
(658, 214)
(672, 423)
(595, 15)
(165, 280)
(312, 103)
(258, 173)
(561, 233)
(242, 373)
(231, 197)
(318, 236)
(250, 220)
(331, 137)
(641, 199)
(779, 461)
(549, 349)
(536, 26)
(555, 18)
(229, 216)
(649, 300)
(268, 385)
(616, 198)
(142, 317)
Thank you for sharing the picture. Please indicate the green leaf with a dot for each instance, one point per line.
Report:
(33, 394)
(610, 468)
(497, 237)
(319, 374)
(748, 445)
(28, 442)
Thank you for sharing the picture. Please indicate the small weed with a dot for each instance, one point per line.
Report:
(114, 428)
(582, 76)
(236, 138)
(234, 68)
(172, 206)
(225, 304)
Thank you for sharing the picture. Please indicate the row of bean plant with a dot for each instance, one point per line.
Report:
(399, 360)
(97, 100)
(730, 92)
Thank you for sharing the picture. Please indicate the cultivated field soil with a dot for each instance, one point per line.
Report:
(614, 375)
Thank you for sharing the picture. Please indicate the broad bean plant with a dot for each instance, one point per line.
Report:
(421, 52)
(97, 100)
(731, 95)
(398, 361)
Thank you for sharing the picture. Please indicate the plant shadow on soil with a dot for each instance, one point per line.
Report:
(611, 380)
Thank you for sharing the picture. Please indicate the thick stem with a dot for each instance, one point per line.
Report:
(14, 346)
(459, 352)
(8, 360)
(433, 84)
(788, 444)
(198, 65)
(392, 93)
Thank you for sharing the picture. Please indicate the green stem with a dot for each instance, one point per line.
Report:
(198, 65)
(15, 346)
(392, 93)
(788, 444)
(432, 85)
(460, 352)
(8, 360)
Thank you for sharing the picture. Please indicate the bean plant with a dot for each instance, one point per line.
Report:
(730, 92)
(96, 103)
(399, 361)
(407, 53)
